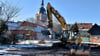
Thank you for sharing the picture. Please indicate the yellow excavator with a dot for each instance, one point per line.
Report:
(50, 11)
(64, 36)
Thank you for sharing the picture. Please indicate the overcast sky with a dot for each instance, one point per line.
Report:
(81, 11)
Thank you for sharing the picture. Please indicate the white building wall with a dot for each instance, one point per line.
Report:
(39, 33)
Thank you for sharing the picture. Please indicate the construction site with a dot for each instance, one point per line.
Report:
(45, 38)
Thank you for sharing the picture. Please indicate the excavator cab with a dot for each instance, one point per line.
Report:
(64, 36)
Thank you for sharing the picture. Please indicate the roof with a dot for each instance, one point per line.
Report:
(23, 31)
(28, 24)
(95, 30)
(84, 25)
(42, 9)
(14, 24)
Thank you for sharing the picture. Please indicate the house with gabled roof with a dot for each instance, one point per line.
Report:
(83, 30)
(95, 33)
(26, 28)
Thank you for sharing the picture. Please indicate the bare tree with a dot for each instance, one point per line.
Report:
(8, 11)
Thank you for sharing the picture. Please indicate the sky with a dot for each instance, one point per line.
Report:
(80, 11)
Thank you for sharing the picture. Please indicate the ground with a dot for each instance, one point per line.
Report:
(60, 52)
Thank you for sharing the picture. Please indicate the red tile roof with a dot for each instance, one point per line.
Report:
(24, 32)
(28, 24)
(84, 25)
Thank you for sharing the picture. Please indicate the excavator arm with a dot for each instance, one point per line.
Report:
(50, 11)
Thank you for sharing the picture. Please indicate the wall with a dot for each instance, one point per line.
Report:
(95, 38)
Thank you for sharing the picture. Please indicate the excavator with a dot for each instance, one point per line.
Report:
(50, 10)
(64, 36)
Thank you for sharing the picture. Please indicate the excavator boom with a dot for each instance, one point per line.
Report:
(50, 11)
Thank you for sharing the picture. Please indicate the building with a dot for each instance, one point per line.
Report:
(95, 33)
(31, 29)
(84, 26)
(13, 25)
(83, 30)
(23, 28)
(81, 26)
(41, 16)
(41, 21)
